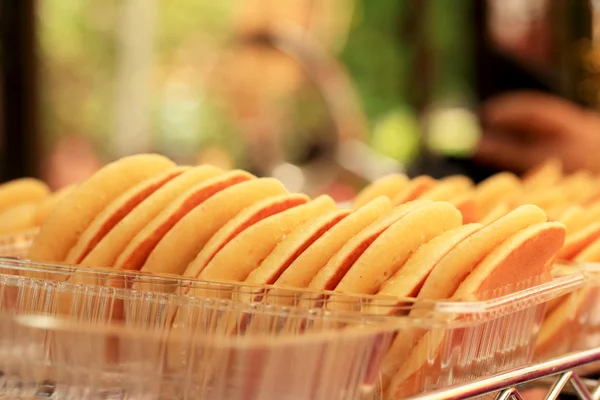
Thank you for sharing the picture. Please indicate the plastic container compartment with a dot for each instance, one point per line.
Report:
(572, 322)
(16, 245)
(434, 344)
(226, 350)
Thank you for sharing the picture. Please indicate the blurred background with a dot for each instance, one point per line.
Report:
(323, 94)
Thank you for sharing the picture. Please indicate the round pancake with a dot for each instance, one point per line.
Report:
(448, 188)
(498, 211)
(244, 253)
(410, 278)
(455, 266)
(388, 186)
(579, 187)
(408, 281)
(120, 237)
(137, 251)
(573, 218)
(414, 190)
(178, 248)
(336, 268)
(20, 191)
(45, 208)
(594, 196)
(73, 215)
(312, 260)
(390, 250)
(498, 188)
(545, 175)
(518, 260)
(557, 210)
(523, 255)
(590, 254)
(546, 199)
(17, 219)
(242, 221)
(582, 218)
(293, 245)
(116, 211)
(578, 241)
(467, 206)
(559, 329)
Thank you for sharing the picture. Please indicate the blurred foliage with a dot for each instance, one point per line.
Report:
(77, 56)
(376, 59)
(448, 25)
(78, 40)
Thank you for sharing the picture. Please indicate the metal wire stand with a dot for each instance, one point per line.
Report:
(556, 374)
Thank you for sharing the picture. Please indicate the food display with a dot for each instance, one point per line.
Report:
(571, 199)
(24, 206)
(186, 230)
(230, 226)
(26, 203)
(91, 356)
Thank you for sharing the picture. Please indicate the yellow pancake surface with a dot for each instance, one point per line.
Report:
(180, 245)
(390, 250)
(20, 191)
(116, 211)
(304, 268)
(336, 268)
(118, 241)
(242, 221)
(73, 215)
(388, 186)
(244, 253)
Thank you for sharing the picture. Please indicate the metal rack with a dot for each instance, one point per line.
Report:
(555, 374)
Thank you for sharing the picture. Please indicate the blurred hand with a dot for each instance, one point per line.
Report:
(521, 130)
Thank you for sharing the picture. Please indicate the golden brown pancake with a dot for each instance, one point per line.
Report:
(452, 269)
(543, 176)
(337, 267)
(180, 245)
(293, 245)
(315, 257)
(388, 186)
(498, 188)
(137, 251)
(448, 188)
(414, 190)
(245, 219)
(73, 215)
(106, 220)
(244, 253)
(578, 241)
(118, 241)
(46, 206)
(20, 191)
(20, 218)
(521, 257)
(390, 250)
(410, 278)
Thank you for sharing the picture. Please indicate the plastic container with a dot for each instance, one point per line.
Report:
(572, 322)
(116, 343)
(435, 344)
(16, 245)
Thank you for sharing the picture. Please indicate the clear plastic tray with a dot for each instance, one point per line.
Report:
(572, 322)
(61, 358)
(435, 344)
(16, 245)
